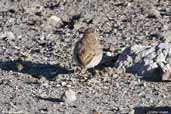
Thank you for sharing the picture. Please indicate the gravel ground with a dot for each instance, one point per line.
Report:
(36, 68)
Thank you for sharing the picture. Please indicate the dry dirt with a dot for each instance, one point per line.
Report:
(36, 67)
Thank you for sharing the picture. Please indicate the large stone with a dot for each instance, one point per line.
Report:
(145, 60)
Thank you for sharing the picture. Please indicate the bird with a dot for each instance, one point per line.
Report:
(88, 51)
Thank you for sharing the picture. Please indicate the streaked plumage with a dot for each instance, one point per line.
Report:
(88, 51)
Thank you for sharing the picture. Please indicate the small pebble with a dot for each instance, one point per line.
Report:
(154, 13)
(63, 83)
(55, 18)
(20, 67)
(69, 96)
(132, 112)
(8, 35)
(68, 86)
(109, 54)
(78, 25)
(58, 85)
(167, 36)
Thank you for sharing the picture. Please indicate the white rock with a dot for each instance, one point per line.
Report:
(167, 36)
(143, 60)
(8, 35)
(54, 19)
(155, 12)
(70, 96)
(63, 83)
(109, 54)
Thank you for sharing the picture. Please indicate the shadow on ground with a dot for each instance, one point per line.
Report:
(154, 76)
(35, 69)
(152, 110)
(107, 61)
(58, 100)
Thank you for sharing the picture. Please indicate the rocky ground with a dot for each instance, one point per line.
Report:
(36, 68)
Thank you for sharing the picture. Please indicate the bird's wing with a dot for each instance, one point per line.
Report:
(86, 56)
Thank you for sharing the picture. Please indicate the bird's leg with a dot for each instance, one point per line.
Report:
(83, 74)
(77, 70)
(93, 72)
(84, 70)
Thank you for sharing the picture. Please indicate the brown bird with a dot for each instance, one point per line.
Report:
(88, 51)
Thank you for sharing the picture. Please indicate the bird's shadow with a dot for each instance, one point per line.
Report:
(152, 110)
(34, 69)
(107, 61)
